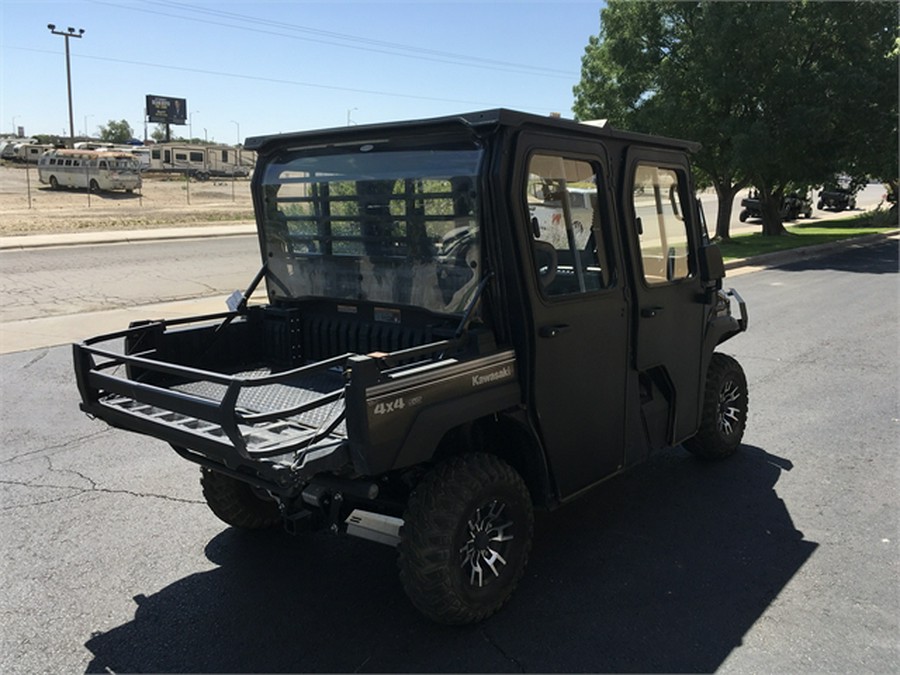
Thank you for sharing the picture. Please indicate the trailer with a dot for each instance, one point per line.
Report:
(29, 153)
(202, 161)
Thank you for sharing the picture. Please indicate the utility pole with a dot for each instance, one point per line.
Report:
(70, 33)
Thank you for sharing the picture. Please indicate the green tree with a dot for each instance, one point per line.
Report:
(159, 133)
(116, 132)
(779, 93)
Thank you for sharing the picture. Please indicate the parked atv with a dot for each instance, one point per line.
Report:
(796, 204)
(836, 199)
(793, 206)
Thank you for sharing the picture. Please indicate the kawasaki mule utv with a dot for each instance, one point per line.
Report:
(466, 318)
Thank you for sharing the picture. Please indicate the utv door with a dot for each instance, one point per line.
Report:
(663, 234)
(578, 324)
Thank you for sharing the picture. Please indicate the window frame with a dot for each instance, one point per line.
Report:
(603, 223)
(684, 204)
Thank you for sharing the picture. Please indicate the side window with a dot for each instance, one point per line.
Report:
(662, 230)
(567, 234)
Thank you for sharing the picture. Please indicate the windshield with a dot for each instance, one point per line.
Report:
(375, 224)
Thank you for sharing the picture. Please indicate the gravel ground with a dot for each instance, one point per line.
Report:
(164, 201)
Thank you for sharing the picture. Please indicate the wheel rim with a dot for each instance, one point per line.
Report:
(488, 536)
(729, 415)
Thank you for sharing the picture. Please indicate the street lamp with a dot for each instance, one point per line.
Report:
(87, 135)
(191, 125)
(70, 32)
(238, 146)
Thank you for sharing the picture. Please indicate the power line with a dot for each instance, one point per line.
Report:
(272, 80)
(331, 38)
(355, 38)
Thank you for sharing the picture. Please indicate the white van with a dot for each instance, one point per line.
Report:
(94, 169)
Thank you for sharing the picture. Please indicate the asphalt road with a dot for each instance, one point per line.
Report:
(67, 280)
(783, 558)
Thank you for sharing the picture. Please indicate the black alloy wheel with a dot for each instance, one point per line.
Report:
(465, 540)
(724, 415)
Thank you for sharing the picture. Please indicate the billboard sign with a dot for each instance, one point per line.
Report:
(166, 110)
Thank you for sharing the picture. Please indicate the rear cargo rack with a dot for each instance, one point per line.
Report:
(252, 414)
(257, 413)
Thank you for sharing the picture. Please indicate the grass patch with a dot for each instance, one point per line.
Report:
(807, 234)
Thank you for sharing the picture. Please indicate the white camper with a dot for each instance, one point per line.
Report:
(202, 161)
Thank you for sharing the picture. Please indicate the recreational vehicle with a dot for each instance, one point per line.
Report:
(93, 169)
(201, 161)
(30, 152)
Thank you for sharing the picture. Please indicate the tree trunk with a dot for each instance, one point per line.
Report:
(726, 193)
(770, 205)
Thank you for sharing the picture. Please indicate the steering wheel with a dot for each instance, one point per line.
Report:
(545, 260)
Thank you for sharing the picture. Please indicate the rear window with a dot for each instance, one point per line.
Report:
(375, 224)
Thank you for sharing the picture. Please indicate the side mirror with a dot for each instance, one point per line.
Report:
(712, 266)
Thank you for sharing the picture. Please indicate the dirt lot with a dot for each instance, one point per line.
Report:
(164, 201)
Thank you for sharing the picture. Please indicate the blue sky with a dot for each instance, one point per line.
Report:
(252, 68)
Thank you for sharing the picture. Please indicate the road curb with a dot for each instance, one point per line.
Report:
(29, 241)
(24, 242)
(808, 252)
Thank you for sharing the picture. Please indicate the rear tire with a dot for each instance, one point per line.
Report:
(54, 184)
(465, 539)
(95, 186)
(236, 503)
(724, 415)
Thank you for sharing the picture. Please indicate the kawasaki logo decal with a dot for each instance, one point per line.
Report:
(489, 378)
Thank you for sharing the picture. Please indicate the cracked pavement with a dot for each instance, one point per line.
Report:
(782, 559)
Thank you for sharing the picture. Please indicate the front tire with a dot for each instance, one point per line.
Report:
(465, 540)
(236, 503)
(724, 415)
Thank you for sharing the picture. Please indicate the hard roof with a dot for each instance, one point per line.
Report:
(479, 120)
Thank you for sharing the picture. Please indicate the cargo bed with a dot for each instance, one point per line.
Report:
(235, 388)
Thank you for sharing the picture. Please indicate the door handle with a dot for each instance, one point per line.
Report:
(553, 331)
(650, 312)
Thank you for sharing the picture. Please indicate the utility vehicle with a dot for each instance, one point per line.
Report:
(793, 205)
(441, 349)
(836, 198)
